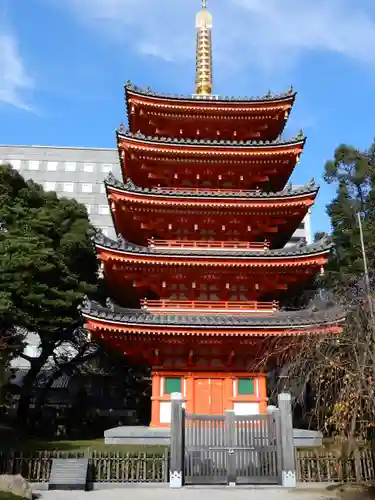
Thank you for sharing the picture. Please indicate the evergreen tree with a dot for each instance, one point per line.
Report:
(47, 266)
(353, 173)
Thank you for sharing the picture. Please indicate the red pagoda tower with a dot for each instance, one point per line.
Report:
(199, 274)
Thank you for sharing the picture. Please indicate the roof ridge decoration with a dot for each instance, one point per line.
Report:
(124, 132)
(268, 96)
(300, 249)
(284, 318)
(288, 191)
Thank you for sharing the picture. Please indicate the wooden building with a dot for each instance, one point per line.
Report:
(200, 268)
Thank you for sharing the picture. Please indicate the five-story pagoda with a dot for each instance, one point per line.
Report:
(200, 273)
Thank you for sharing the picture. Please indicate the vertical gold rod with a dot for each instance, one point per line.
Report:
(203, 77)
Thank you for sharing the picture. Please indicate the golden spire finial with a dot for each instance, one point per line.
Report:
(203, 77)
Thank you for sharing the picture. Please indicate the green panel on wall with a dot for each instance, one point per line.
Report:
(245, 386)
(172, 384)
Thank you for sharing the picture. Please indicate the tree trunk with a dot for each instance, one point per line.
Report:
(43, 391)
(28, 386)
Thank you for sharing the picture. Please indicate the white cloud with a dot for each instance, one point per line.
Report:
(268, 33)
(337, 26)
(14, 79)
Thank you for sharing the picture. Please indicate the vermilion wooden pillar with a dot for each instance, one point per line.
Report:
(155, 400)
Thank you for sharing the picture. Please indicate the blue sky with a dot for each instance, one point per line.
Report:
(63, 64)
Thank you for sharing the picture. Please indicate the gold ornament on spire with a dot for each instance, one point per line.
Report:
(203, 75)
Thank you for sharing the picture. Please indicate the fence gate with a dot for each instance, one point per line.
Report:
(232, 449)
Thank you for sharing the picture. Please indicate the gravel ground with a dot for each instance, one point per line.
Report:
(190, 493)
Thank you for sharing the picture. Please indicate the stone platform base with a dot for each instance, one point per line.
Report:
(137, 435)
(161, 436)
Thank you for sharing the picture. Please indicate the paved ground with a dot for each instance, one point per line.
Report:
(194, 493)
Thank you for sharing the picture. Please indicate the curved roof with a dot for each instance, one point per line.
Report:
(289, 192)
(322, 246)
(282, 319)
(289, 95)
(122, 132)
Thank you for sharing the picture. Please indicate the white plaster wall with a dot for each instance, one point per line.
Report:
(246, 408)
(165, 412)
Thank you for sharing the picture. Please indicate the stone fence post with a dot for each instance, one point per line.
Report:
(287, 445)
(176, 467)
(230, 441)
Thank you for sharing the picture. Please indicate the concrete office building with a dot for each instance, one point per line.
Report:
(71, 172)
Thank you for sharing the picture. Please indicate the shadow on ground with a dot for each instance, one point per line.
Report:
(352, 491)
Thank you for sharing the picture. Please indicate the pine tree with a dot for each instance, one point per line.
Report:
(47, 266)
(353, 173)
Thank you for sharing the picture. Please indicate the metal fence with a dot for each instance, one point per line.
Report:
(240, 449)
(322, 466)
(205, 449)
(104, 467)
(315, 465)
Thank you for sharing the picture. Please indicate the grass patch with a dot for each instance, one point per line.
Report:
(9, 496)
(82, 447)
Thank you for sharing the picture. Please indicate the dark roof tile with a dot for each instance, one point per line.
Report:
(219, 99)
(300, 249)
(288, 192)
(282, 319)
(122, 132)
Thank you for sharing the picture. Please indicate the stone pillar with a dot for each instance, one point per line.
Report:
(230, 441)
(176, 467)
(287, 445)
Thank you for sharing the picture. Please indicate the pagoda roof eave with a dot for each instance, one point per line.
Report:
(285, 97)
(309, 190)
(300, 250)
(283, 321)
(140, 138)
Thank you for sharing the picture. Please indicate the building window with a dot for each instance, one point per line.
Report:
(68, 187)
(88, 167)
(102, 188)
(70, 166)
(88, 208)
(49, 186)
(106, 168)
(33, 165)
(86, 188)
(245, 386)
(105, 231)
(103, 209)
(172, 384)
(52, 166)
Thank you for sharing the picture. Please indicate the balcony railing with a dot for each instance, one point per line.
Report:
(168, 306)
(202, 189)
(211, 245)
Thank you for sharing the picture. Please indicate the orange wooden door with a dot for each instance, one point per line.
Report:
(216, 396)
(208, 396)
(202, 396)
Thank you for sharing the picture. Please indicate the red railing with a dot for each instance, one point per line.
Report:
(202, 189)
(167, 306)
(214, 245)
